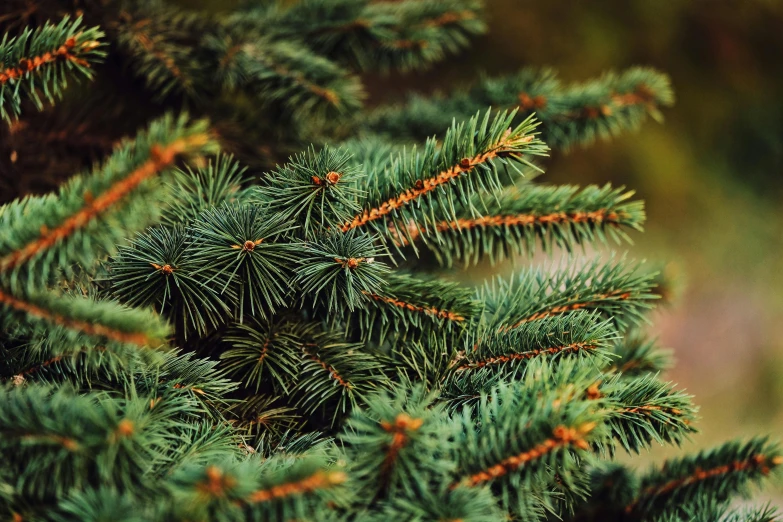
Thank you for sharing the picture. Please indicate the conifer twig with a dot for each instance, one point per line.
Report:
(42, 60)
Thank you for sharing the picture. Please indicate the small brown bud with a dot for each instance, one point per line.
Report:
(333, 177)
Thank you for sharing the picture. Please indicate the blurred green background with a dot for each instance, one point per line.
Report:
(711, 174)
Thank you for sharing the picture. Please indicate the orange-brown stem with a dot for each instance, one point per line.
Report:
(515, 220)
(502, 359)
(332, 371)
(63, 53)
(89, 328)
(66, 442)
(647, 410)
(146, 42)
(217, 482)
(53, 360)
(400, 429)
(160, 158)
(435, 312)
(318, 480)
(562, 436)
(759, 462)
(504, 147)
(350, 263)
(451, 17)
(555, 310)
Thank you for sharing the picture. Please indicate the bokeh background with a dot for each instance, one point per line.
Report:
(711, 174)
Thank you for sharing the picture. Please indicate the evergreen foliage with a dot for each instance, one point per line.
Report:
(188, 334)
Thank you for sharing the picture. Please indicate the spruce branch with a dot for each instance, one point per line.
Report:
(718, 474)
(263, 352)
(157, 269)
(45, 232)
(462, 503)
(194, 191)
(283, 73)
(267, 423)
(467, 163)
(61, 357)
(525, 435)
(279, 488)
(562, 216)
(41, 61)
(373, 35)
(79, 320)
(94, 505)
(341, 271)
(335, 375)
(577, 114)
(577, 334)
(318, 190)
(719, 511)
(182, 375)
(639, 355)
(158, 41)
(399, 444)
(612, 288)
(81, 439)
(244, 255)
(646, 410)
(410, 309)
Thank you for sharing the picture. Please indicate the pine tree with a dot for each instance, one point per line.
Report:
(193, 330)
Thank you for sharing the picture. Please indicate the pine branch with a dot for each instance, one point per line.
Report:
(45, 232)
(718, 474)
(317, 190)
(615, 291)
(194, 191)
(576, 334)
(158, 42)
(646, 410)
(283, 73)
(467, 163)
(341, 271)
(373, 35)
(521, 217)
(573, 115)
(415, 309)
(42, 61)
